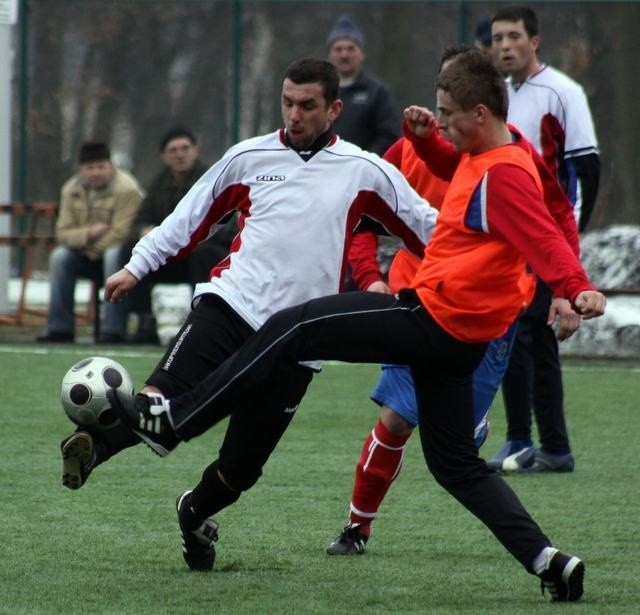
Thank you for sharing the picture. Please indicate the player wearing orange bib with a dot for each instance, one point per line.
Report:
(439, 326)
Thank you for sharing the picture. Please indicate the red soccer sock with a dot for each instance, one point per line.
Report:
(379, 464)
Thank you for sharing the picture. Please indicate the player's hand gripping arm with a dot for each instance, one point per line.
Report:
(568, 319)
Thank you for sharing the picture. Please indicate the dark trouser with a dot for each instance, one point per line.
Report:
(534, 379)
(212, 332)
(363, 328)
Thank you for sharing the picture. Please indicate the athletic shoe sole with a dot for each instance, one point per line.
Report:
(77, 460)
(157, 448)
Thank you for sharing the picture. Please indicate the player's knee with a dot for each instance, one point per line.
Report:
(239, 478)
(396, 424)
(452, 468)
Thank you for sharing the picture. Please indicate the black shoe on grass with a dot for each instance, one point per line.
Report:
(563, 577)
(552, 462)
(197, 542)
(351, 541)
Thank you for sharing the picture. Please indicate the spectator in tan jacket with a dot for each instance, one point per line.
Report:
(97, 207)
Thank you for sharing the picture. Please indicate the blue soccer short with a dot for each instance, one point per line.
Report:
(395, 387)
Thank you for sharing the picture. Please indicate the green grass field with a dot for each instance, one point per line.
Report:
(113, 546)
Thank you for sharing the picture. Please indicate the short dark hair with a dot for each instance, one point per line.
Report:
(518, 12)
(451, 52)
(178, 132)
(310, 70)
(474, 80)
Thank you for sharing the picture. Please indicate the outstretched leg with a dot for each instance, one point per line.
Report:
(367, 327)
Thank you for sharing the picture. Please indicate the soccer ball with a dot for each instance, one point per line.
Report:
(84, 392)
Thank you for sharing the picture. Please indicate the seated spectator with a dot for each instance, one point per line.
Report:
(182, 168)
(97, 207)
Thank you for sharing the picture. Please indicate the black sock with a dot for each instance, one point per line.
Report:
(211, 494)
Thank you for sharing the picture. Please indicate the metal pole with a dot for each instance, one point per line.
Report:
(236, 67)
(8, 15)
(463, 23)
(23, 24)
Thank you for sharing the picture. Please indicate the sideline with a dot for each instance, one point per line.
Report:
(86, 351)
(598, 365)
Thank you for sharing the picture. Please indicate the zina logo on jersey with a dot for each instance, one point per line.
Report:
(270, 178)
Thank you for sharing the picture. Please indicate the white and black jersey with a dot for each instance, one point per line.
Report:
(551, 110)
(296, 221)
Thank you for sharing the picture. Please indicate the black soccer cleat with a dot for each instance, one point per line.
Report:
(552, 462)
(563, 577)
(78, 459)
(148, 417)
(351, 541)
(197, 543)
(514, 456)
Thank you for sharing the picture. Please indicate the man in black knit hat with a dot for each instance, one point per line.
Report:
(97, 206)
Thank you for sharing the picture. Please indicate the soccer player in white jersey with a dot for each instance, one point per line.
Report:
(493, 219)
(552, 112)
(300, 193)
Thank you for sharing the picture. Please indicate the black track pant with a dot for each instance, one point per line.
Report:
(211, 334)
(534, 379)
(367, 328)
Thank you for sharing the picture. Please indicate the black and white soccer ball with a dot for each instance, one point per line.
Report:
(84, 392)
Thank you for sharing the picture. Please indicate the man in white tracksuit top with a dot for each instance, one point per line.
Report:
(300, 193)
(552, 111)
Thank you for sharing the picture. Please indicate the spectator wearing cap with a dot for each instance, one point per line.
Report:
(370, 117)
(179, 152)
(97, 207)
(482, 35)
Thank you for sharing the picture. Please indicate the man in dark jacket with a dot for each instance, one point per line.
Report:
(370, 117)
(179, 151)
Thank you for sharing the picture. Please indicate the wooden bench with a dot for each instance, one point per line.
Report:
(35, 224)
